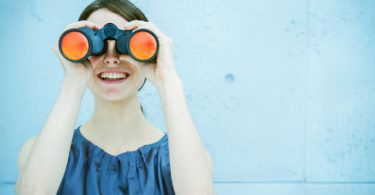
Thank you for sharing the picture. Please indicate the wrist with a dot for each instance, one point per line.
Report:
(170, 84)
(77, 79)
(74, 84)
(169, 79)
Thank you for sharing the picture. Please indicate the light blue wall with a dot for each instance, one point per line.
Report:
(282, 92)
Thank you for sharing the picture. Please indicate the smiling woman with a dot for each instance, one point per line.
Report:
(117, 151)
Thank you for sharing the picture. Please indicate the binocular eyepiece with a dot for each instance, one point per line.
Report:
(78, 44)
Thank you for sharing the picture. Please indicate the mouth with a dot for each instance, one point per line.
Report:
(113, 76)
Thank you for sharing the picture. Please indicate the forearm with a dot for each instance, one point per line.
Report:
(47, 161)
(189, 164)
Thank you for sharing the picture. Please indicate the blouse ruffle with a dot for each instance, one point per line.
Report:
(90, 170)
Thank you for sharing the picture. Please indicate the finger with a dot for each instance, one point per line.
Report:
(84, 23)
(163, 39)
(139, 24)
(134, 24)
(81, 24)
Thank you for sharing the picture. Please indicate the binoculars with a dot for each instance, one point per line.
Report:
(78, 44)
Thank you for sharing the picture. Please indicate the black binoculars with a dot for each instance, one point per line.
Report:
(78, 44)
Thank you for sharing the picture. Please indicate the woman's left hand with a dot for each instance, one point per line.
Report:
(164, 66)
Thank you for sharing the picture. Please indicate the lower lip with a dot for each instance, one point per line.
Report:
(108, 81)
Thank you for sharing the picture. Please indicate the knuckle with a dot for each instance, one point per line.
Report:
(90, 23)
(79, 24)
(152, 25)
(69, 26)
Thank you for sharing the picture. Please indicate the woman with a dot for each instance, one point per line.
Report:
(117, 151)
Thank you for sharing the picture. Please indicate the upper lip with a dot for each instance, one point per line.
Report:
(113, 71)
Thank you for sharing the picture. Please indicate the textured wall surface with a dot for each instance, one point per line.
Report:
(282, 92)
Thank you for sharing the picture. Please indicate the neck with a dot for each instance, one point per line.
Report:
(118, 120)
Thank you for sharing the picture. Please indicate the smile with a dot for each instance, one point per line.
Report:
(111, 77)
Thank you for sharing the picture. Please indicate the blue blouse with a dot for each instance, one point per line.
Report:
(90, 170)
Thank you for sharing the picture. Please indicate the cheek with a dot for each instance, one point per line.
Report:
(91, 83)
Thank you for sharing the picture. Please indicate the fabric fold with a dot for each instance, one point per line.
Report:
(91, 170)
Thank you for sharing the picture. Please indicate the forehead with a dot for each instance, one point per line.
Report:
(103, 16)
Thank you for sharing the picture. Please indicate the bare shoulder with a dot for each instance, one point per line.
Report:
(24, 152)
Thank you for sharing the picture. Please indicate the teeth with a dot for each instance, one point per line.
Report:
(112, 75)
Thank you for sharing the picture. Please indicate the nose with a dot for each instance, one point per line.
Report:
(111, 55)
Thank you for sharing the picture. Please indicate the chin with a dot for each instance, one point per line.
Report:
(114, 96)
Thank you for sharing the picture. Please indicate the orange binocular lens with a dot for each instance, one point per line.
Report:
(142, 45)
(75, 45)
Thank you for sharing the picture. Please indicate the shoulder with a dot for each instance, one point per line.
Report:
(25, 151)
(163, 151)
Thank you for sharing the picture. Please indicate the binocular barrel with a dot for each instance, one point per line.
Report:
(78, 44)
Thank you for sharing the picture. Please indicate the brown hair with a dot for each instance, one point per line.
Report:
(124, 8)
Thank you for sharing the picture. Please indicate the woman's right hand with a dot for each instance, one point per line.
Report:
(80, 71)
